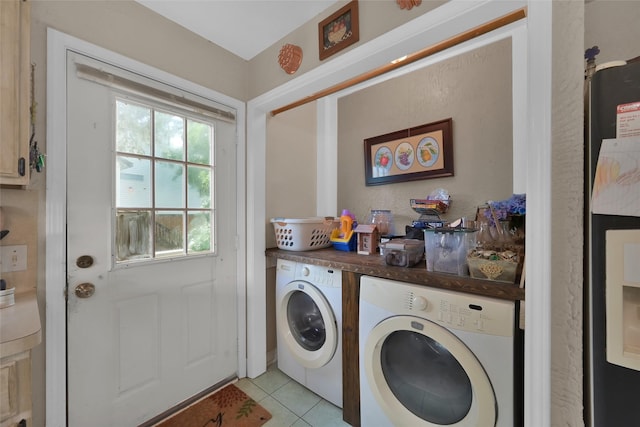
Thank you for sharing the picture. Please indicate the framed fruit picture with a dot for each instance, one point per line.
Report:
(420, 152)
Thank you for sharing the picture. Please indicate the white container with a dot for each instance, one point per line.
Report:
(446, 249)
(304, 234)
(7, 297)
(402, 252)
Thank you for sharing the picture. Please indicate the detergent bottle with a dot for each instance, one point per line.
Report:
(346, 223)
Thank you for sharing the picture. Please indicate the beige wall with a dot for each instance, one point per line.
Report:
(474, 89)
(612, 25)
(291, 166)
(566, 215)
(375, 17)
(135, 31)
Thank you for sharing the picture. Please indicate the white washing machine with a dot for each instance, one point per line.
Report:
(430, 357)
(309, 326)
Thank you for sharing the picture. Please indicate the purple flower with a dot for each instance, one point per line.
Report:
(514, 205)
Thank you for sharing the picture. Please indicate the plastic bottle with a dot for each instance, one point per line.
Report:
(346, 223)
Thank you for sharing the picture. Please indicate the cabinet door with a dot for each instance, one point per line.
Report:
(15, 389)
(8, 390)
(15, 85)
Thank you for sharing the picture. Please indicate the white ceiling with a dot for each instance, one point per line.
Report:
(243, 27)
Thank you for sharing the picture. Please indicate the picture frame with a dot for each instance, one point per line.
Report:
(338, 31)
(421, 152)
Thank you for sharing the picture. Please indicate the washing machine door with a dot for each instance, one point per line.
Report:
(423, 375)
(308, 324)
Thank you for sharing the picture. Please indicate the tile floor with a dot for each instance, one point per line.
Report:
(289, 403)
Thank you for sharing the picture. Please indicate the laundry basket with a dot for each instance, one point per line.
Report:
(304, 234)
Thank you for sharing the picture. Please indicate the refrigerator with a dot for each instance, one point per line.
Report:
(612, 248)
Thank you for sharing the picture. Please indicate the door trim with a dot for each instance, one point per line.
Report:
(58, 44)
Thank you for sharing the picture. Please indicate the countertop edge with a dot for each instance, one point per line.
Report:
(373, 265)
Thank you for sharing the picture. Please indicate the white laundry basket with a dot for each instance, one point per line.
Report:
(304, 234)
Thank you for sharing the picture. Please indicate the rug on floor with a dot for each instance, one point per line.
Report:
(228, 407)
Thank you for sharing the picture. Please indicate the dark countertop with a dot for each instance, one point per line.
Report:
(374, 265)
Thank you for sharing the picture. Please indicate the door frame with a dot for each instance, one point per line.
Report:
(535, 103)
(58, 44)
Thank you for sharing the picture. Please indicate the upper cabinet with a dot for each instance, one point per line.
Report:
(15, 83)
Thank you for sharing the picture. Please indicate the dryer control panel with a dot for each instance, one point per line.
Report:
(472, 316)
(453, 310)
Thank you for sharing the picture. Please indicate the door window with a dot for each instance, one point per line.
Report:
(305, 321)
(425, 377)
(164, 182)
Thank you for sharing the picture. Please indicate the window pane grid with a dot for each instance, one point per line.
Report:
(165, 185)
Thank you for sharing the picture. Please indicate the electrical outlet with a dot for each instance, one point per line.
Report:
(13, 258)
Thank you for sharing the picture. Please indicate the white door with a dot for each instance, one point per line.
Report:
(151, 312)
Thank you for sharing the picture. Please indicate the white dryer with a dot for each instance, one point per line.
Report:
(309, 327)
(430, 357)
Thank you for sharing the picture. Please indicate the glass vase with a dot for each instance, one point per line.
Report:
(505, 237)
(484, 238)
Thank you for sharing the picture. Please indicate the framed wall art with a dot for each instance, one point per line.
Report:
(420, 152)
(339, 30)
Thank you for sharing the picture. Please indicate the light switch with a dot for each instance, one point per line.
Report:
(13, 258)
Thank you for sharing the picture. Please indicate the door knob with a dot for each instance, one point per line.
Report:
(85, 290)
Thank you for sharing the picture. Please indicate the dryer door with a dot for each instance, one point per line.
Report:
(423, 375)
(308, 324)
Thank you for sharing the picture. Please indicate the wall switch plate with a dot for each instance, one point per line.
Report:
(13, 258)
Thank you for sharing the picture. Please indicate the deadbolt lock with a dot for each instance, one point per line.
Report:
(84, 261)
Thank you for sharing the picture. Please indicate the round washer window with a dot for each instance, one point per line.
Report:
(305, 321)
(425, 377)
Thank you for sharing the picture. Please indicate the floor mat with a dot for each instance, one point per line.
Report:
(228, 407)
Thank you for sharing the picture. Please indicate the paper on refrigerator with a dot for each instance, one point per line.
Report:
(616, 185)
(628, 120)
